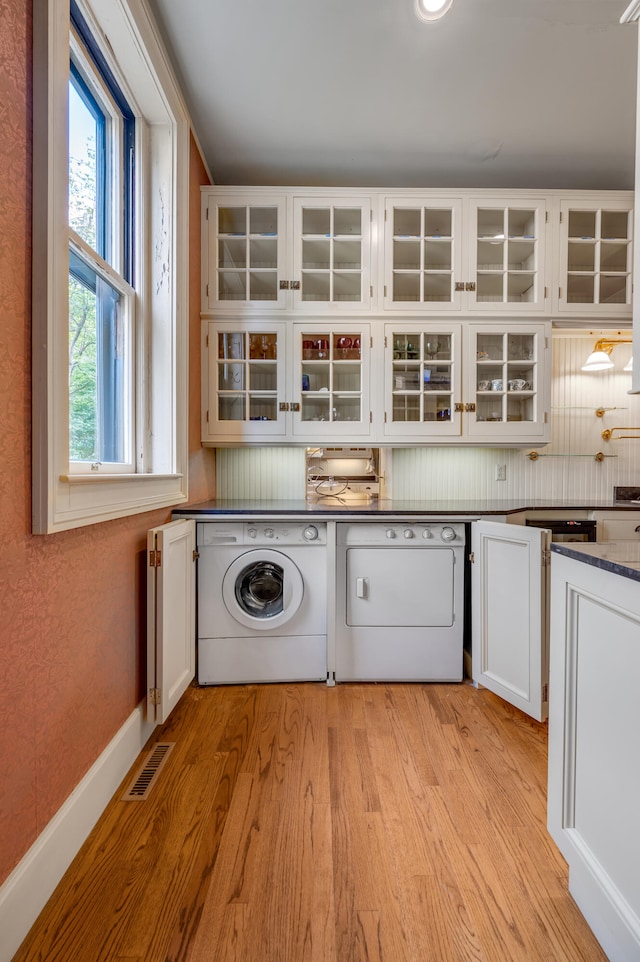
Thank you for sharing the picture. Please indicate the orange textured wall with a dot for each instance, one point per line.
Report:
(72, 605)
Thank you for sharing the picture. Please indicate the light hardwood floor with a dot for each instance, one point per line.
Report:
(300, 823)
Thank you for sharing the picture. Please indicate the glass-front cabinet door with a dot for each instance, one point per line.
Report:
(595, 258)
(506, 384)
(331, 254)
(246, 250)
(331, 396)
(246, 381)
(422, 380)
(507, 251)
(423, 255)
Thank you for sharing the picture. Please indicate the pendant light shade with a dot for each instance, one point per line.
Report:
(600, 358)
(598, 361)
(432, 9)
(629, 365)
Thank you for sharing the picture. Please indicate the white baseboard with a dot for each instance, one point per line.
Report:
(26, 891)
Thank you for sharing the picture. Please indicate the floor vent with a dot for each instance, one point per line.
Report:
(147, 775)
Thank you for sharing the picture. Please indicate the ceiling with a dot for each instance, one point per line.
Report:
(500, 93)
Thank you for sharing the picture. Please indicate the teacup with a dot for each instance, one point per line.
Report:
(497, 384)
(518, 384)
(484, 385)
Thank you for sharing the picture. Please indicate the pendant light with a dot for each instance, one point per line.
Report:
(430, 10)
(600, 359)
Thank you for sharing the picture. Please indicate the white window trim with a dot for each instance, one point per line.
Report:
(62, 500)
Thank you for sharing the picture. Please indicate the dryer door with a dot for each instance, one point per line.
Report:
(262, 589)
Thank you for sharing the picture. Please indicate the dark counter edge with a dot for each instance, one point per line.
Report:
(385, 508)
(615, 567)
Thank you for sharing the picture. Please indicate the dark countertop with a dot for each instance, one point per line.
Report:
(618, 557)
(328, 507)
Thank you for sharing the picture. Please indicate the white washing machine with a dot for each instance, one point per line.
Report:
(400, 601)
(262, 602)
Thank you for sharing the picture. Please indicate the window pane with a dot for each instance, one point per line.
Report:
(98, 366)
(86, 166)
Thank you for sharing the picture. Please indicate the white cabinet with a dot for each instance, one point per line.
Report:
(279, 251)
(594, 745)
(595, 256)
(617, 525)
(486, 382)
(273, 381)
(444, 254)
(509, 613)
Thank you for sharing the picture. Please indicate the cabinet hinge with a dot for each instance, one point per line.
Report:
(206, 341)
(385, 214)
(546, 558)
(559, 293)
(371, 216)
(384, 289)
(155, 559)
(385, 417)
(560, 216)
(545, 692)
(371, 290)
(196, 554)
(370, 417)
(472, 557)
(546, 417)
(207, 290)
(207, 417)
(371, 342)
(207, 214)
(546, 216)
(546, 294)
(154, 696)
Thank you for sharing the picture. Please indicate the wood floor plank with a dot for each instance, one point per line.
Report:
(303, 823)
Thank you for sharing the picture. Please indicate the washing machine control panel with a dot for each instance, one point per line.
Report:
(285, 533)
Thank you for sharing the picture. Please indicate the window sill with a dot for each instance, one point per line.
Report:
(103, 476)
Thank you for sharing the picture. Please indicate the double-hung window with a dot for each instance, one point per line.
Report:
(101, 246)
(110, 287)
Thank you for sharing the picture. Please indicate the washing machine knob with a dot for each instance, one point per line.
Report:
(408, 533)
(268, 532)
(252, 532)
(448, 534)
(390, 533)
(427, 533)
(310, 533)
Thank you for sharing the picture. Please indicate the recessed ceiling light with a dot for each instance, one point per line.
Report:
(432, 9)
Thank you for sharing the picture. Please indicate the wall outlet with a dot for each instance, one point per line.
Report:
(501, 472)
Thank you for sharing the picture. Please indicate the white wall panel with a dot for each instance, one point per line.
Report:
(260, 473)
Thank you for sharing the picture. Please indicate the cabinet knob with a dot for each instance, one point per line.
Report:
(470, 286)
(284, 285)
(295, 285)
(459, 285)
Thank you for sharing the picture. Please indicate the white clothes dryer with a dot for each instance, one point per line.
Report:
(262, 602)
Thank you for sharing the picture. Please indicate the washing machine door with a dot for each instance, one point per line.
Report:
(262, 589)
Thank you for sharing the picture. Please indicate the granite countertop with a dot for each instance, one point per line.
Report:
(388, 507)
(618, 557)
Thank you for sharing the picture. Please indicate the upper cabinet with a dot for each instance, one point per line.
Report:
(479, 253)
(445, 254)
(596, 257)
(277, 251)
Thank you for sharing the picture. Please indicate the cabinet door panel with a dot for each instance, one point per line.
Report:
(507, 249)
(596, 257)
(331, 243)
(330, 394)
(509, 614)
(423, 254)
(423, 365)
(244, 260)
(244, 382)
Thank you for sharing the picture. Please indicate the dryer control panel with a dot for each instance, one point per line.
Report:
(402, 534)
(261, 533)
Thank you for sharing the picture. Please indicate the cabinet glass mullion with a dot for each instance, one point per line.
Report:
(331, 376)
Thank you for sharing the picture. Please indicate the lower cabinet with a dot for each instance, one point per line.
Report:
(594, 745)
(394, 383)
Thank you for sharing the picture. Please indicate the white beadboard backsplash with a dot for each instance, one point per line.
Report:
(566, 467)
